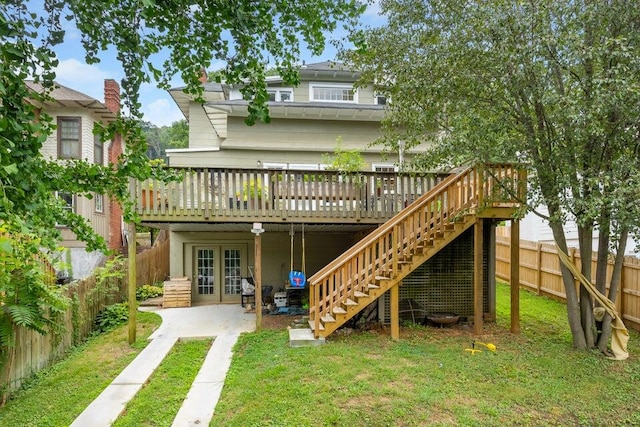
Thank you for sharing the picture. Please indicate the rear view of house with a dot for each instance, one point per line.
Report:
(234, 175)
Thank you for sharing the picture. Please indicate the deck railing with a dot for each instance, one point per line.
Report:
(379, 254)
(220, 195)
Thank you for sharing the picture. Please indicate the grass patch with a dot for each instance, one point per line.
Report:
(363, 379)
(57, 395)
(160, 399)
(366, 379)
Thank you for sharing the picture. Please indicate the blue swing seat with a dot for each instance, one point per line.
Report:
(297, 279)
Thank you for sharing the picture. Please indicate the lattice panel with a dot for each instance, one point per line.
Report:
(444, 283)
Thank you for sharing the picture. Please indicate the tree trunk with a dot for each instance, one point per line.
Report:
(573, 304)
(616, 275)
(585, 239)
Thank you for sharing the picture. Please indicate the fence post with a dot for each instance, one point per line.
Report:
(539, 268)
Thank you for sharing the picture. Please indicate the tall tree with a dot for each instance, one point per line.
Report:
(550, 83)
(192, 34)
(160, 138)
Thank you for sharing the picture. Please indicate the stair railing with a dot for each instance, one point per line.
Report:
(378, 255)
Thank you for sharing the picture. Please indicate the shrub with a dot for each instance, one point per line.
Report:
(148, 291)
(112, 316)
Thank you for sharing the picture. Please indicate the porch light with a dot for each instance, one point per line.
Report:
(257, 228)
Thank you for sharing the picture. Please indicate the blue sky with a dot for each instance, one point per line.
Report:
(157, 106)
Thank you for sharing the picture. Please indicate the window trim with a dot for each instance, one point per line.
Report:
(98, 143)
(314, 85)
(96, 197)
(278, 92)
(377, 96)
(73, 204)
(76, 119)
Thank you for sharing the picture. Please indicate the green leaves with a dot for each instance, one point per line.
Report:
(246, 36)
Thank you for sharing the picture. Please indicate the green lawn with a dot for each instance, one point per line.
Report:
(363, 379)
(59, 394)
(366, 379)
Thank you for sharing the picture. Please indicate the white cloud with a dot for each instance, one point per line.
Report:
(88, 79)
(161, 112)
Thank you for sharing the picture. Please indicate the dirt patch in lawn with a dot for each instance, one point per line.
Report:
(278, 321)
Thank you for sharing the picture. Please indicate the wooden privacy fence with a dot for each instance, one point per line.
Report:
(540, 272)
(33, 351)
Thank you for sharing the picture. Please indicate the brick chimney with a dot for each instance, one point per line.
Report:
(112, 95)
(112, 102)
(203, 75)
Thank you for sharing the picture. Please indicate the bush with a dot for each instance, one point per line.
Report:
(148, 291)
(112, 316)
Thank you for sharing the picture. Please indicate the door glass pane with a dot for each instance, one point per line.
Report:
(206, 285)
(232, 281)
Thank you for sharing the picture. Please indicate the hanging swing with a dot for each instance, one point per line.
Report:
(297, 279)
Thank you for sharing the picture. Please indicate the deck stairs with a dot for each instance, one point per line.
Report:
(386, 256)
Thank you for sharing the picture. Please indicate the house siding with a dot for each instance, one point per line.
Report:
(99, 221)
(50, 146)
(201, 132)
(307, 135)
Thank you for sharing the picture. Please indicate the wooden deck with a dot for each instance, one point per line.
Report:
(265, 195)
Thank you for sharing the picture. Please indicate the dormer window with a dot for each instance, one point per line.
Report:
(280, 94)
(328, 92)
(380, 99)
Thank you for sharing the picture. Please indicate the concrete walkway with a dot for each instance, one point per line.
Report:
(224, 322)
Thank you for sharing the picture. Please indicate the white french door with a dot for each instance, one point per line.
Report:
(217, 273)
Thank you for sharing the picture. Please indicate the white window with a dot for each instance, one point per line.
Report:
(268, 165)
(328, 92)
(280, 94)
(384, 167)
(99, 201)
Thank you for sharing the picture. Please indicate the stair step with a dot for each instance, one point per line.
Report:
(359, 294)
(327, 318)
(350, 302)
(382, 278)
(312, 325)
(372, 286)
(404, 262)
(339, 310)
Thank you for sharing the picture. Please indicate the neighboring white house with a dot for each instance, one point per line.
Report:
(536, 229)
(74, 115)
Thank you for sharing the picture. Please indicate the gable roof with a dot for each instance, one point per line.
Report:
(62, 96)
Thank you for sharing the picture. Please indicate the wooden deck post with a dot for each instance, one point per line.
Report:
(478, 310)
(257, 230)
(515, 276)
(132, 282)
(395, 312)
